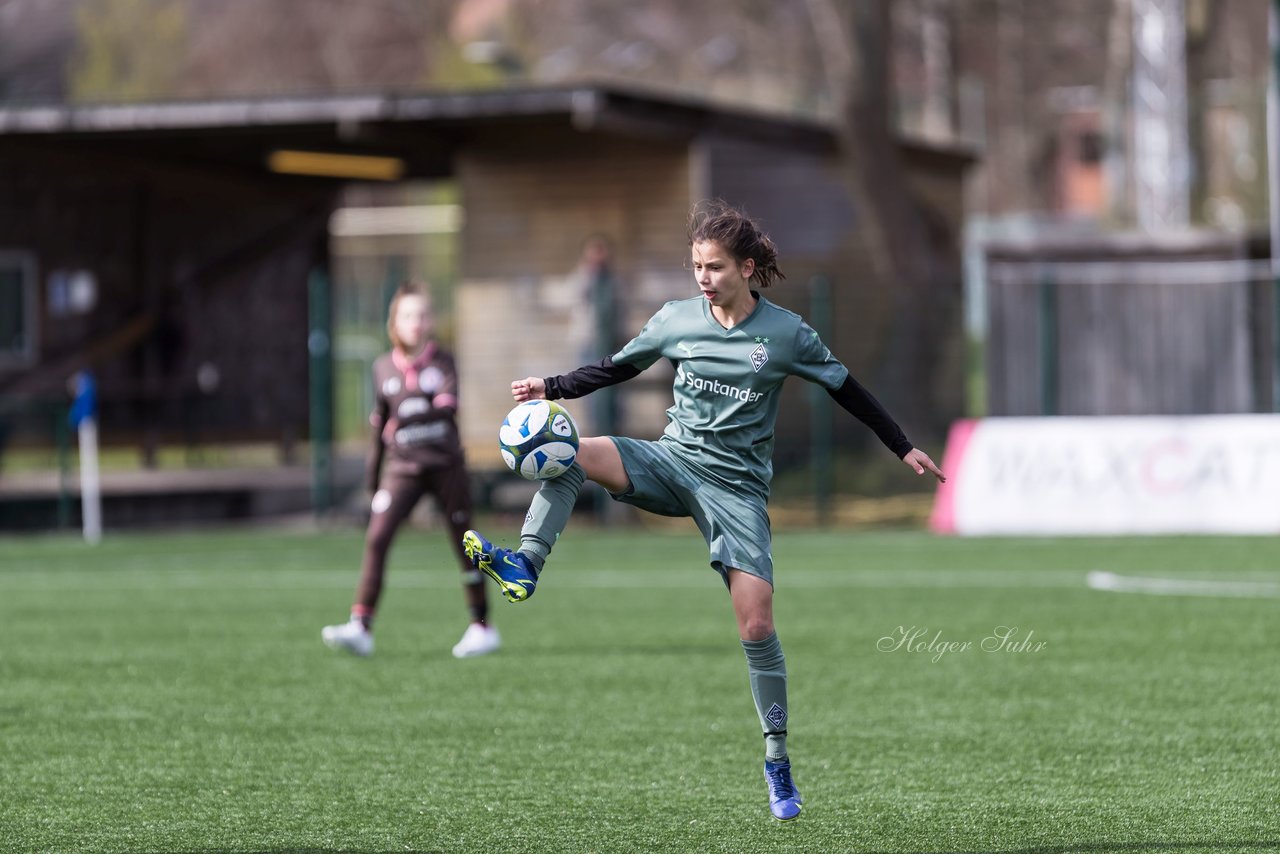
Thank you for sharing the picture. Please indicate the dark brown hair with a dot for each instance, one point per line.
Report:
(719, 222)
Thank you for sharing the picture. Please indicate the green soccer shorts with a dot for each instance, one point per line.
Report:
(735, 524)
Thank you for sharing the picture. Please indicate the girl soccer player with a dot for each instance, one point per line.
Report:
(414, 427)
(732, 350)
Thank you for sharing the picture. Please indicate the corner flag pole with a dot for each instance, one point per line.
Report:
(84, 417)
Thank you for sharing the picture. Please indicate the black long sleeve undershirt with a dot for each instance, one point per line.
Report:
(860, 403)
(855, 399)
(589, 378)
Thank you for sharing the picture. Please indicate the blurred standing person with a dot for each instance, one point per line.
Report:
(415, 429)
(598, 288)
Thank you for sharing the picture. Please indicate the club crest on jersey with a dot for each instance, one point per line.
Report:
(758, 357)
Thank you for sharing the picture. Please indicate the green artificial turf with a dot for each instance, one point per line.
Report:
(170, 693)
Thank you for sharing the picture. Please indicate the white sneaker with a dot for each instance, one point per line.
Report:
(351, 636)
(477, 640)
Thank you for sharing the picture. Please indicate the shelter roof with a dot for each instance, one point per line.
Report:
(423, 127)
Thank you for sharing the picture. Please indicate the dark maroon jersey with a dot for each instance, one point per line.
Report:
(414, 427)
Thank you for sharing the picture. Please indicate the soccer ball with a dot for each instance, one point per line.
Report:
(538, 440)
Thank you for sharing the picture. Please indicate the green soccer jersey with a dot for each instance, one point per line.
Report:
(728, 382)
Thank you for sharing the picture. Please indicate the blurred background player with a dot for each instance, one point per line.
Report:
(415, 429)
(732, 349)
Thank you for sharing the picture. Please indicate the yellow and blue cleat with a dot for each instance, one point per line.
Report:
(784, 798)
(512, 571)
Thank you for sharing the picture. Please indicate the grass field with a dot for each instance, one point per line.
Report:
(170, 693)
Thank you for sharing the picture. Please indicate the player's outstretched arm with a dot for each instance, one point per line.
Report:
(529, 388)
(919, 461)
(577, 383)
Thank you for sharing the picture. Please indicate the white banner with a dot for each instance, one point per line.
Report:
(1216, 474)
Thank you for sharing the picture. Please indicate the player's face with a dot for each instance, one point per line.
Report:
(413, 322)
(722, 280)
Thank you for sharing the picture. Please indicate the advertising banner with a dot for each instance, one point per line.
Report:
(1216, 474)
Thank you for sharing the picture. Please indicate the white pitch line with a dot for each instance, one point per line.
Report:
(692, 577)
(1112, 583)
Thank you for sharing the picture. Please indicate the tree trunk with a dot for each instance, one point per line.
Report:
(890, 224)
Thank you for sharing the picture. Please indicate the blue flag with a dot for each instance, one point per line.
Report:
(85, 404)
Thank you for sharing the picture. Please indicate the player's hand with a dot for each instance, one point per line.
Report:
(529, 388)
(920, 461)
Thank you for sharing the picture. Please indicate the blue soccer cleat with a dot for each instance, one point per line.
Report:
(515, 576)
(784, 799)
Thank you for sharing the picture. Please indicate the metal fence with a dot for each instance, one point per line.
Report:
(1131, 337)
